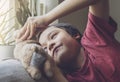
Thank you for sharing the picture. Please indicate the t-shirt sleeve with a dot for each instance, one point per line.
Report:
(99, 31)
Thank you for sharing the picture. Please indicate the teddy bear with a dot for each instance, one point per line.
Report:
(34, 59)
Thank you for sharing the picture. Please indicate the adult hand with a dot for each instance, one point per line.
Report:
(31, 27)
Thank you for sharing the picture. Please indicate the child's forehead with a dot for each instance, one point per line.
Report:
(50, 29)
(47, 32)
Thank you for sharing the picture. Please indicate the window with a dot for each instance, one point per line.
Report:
(7, 21)
(13, 15)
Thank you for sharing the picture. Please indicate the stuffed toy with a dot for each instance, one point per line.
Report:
(34, 59)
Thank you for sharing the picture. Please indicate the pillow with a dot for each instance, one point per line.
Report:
(11, 70)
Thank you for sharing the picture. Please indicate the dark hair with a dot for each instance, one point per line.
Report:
(70, 29)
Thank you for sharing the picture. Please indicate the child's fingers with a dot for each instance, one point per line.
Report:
(36, 65)
(48, 69)
(34, 72)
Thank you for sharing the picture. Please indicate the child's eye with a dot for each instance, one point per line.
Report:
(54, 36)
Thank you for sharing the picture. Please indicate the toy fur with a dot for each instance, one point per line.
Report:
(33, 59)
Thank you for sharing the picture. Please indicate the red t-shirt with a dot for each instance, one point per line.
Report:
(102, 52)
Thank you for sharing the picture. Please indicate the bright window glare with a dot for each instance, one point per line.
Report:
(4, 7)
(6, 18)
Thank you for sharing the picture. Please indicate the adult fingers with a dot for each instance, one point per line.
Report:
(34, 72)
(32, 30)
(26, 34)
(22, 31)
(48, 69)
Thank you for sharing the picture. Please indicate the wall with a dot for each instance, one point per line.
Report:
(44, 6)
(79, 18)
(115, 13)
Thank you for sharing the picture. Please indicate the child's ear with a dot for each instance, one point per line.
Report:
(77, 36)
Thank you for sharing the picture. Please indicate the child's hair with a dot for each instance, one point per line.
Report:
(70, 29)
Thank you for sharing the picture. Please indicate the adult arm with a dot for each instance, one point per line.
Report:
(66, 7)
(99, 8)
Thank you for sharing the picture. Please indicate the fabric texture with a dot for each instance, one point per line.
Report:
(102, 52)
(12, 70)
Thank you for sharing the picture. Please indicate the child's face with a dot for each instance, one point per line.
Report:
(60, 45)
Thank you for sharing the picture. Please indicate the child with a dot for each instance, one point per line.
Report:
(95, 58)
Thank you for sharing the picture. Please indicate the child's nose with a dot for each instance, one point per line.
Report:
(51, 45)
